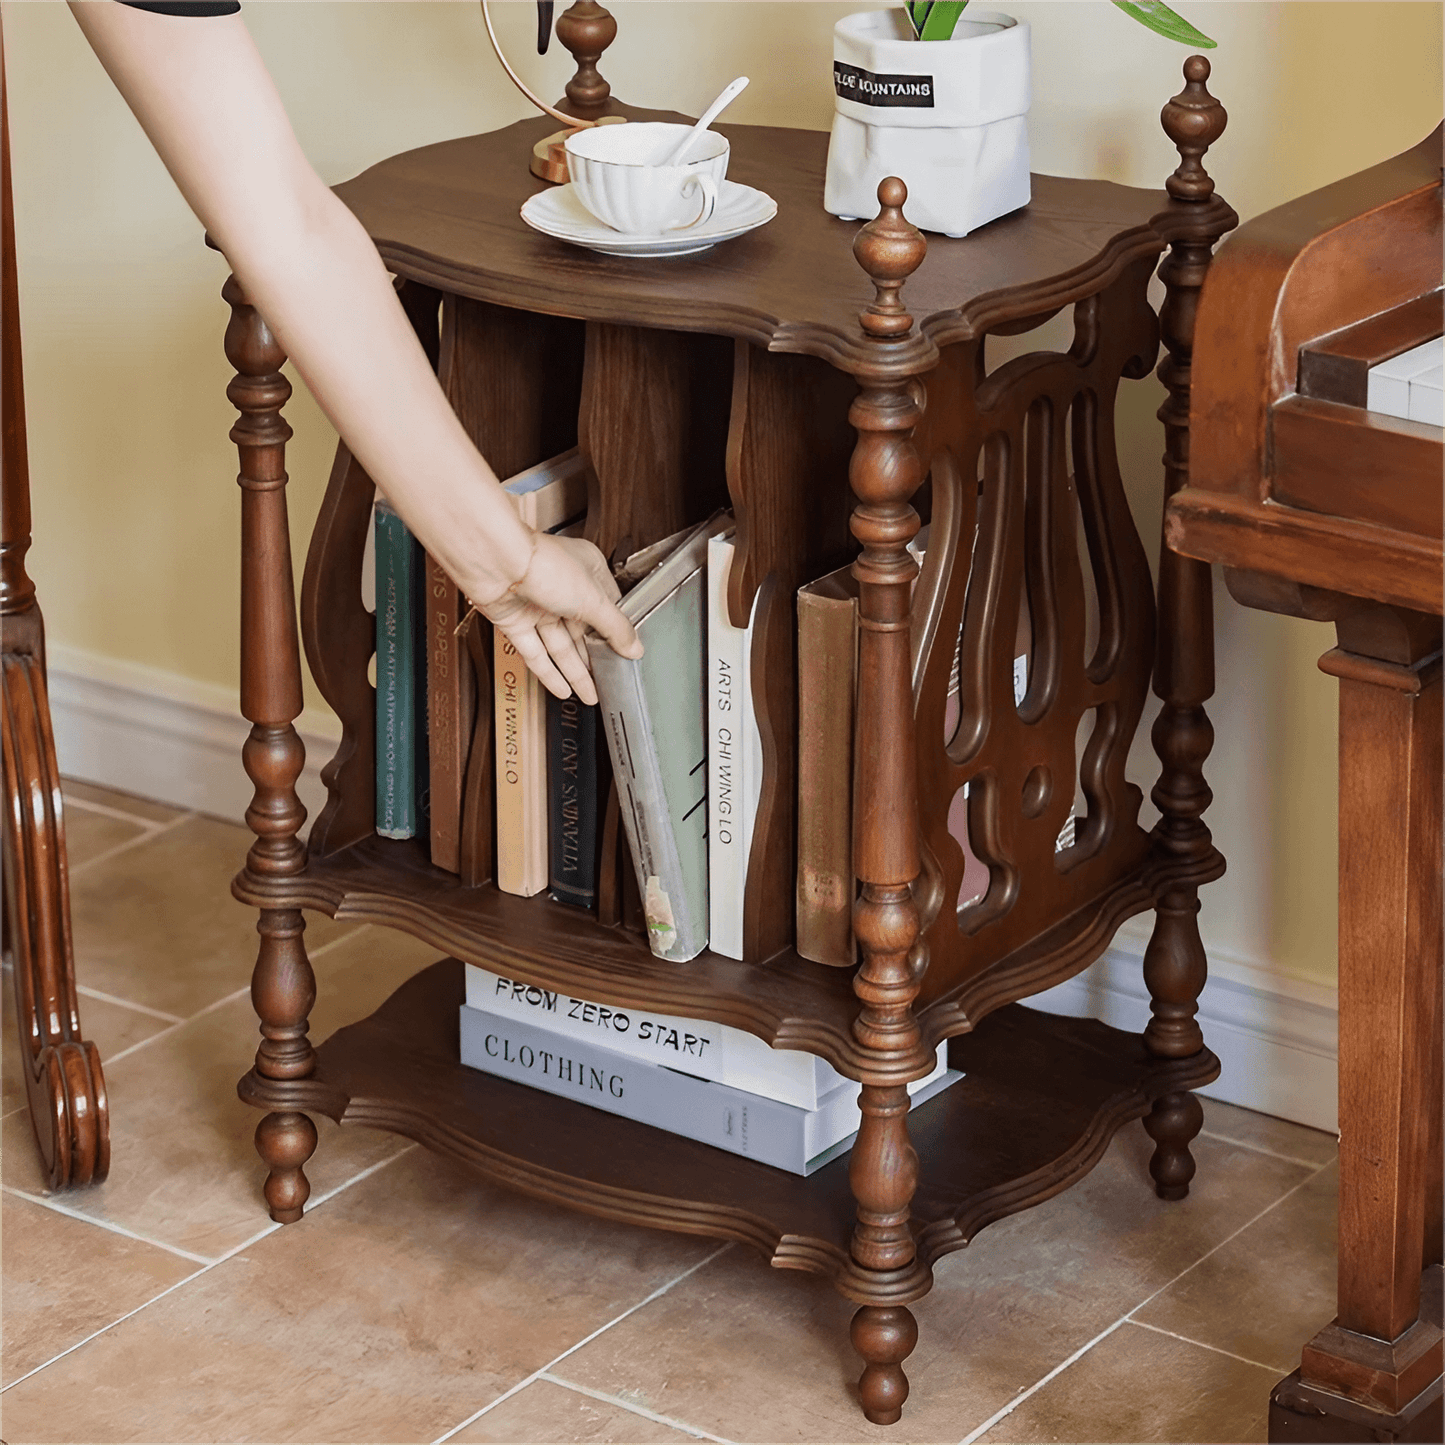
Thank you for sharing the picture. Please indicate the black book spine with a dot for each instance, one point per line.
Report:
(572, 793)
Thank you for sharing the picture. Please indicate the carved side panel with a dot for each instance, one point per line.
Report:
(339, 632)
(1031, 546)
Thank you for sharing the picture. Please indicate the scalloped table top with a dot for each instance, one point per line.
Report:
(447, 215)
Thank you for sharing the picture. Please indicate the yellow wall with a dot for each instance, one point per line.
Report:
(135, 513)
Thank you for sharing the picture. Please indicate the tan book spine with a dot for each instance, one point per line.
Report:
(827, 668)
(521, 733)
(451, 702)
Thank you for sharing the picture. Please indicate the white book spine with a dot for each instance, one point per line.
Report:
(521, 772)
(734, 758)
(696, 1046)
(797, 1140)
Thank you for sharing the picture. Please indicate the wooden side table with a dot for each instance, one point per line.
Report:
(765, 375)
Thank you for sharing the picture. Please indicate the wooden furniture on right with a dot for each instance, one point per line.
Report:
(1318, 508)
(773, 374)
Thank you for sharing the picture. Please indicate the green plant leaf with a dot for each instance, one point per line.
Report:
(917, 12)
(942, 17)
(1163, 21)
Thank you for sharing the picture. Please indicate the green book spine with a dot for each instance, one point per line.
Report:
(398, 699)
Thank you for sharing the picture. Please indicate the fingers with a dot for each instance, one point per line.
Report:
(595, 593)
(534, 654)
(570, 658)
(607, 621)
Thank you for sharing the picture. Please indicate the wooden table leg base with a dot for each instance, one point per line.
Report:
(1354, 1387)
(1300, 1412)
(1386, 1375)
(885, 1338)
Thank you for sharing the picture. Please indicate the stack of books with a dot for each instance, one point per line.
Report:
(701, 1080)
(676, 731)
(546, 749)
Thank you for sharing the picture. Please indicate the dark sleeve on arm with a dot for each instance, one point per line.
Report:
(185, 7)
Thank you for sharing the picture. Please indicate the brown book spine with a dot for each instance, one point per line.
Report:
(451, 699)
(827, 669)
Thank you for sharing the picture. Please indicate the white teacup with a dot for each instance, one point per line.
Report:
(616, 174)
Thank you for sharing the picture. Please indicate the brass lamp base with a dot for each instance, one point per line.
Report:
(549, 155)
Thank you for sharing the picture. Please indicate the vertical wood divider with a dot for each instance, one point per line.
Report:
(1174, 961)
(885, 472)
(283, 987)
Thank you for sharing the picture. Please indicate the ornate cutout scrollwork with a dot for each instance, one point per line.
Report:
(1005, 559)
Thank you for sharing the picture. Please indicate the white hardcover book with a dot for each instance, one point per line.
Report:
(1427, 396)
(797, 1140)
(521, 771)
(734, 757)
(552, 492)
(695, 1046)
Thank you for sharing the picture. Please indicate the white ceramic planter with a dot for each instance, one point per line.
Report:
(947, 116)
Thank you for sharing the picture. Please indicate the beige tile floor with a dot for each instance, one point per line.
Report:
(418, 1303)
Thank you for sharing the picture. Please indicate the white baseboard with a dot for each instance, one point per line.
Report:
(1276, 1037)
(167, 737)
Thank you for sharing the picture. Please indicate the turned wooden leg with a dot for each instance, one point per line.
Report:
(883, 1171)
(283, 987)
(885, 1337)
(1174, 962)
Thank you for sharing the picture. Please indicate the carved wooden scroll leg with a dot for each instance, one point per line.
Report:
(283, 987)
(1174, 962)
(63, 1079)
(885, 472)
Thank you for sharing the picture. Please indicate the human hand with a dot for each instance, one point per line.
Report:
(565, 590)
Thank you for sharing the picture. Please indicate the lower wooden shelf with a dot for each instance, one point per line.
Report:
(1042, 1098)
(788, 1001)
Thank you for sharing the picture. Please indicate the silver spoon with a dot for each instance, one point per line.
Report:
(730, 93)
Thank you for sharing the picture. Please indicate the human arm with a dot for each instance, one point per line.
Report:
(204, 98)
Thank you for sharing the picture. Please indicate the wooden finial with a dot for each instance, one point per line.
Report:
(890, 249)
(1193, 121)
(586, 29)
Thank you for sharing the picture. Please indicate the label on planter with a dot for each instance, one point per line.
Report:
(854, 83)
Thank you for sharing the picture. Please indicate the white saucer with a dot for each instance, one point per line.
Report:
(558, 213)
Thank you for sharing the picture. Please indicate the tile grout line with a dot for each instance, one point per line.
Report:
(215, 1003)
(70, 1213)
(149, 836)
(572, 1349)
(71, 1349)
(641, 1410)
(1203, 1345)
(85, 991)
(1006, 1410)
(205, 1269)
(1023, 1394)
(1260, 1149)
(87, 806)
